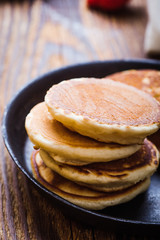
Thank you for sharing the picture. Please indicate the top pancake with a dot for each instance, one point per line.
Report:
(103, 109)
(67, 146)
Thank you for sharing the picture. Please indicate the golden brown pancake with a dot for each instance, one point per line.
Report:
(68, 146)
(147, 80)
(105, 110)
(110, 176)
(80, 195)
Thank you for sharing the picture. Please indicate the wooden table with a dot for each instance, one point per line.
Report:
(35, 37)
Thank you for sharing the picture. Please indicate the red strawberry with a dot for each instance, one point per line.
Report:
(107, 4)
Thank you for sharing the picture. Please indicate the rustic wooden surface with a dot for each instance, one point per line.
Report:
(35, 37)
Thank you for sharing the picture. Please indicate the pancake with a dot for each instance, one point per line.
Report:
(79, 195)
(68, 146)
(147, 80)
(105, 110)
(110, 176)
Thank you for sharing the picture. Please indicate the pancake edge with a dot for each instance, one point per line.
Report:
(103, 132)
(95, 203)
(108, 182)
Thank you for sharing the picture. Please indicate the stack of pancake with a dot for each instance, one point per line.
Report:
(90, 141)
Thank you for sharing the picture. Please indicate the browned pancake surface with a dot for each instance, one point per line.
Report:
(147, 155)
(105, 101)
(147, 80)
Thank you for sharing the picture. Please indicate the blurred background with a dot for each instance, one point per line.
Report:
(37, 36)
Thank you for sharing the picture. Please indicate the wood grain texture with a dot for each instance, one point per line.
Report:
(35, 37)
